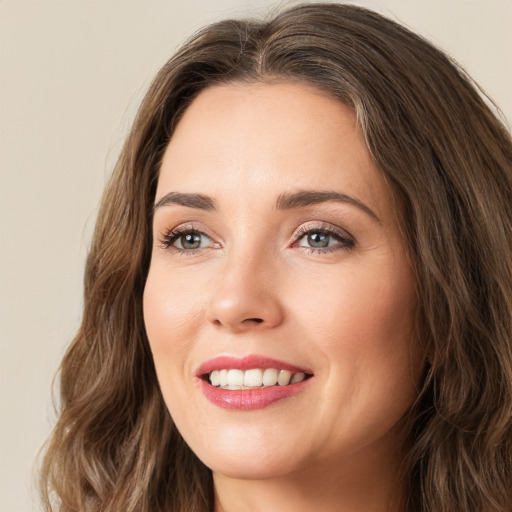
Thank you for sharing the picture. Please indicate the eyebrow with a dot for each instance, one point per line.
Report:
(304, 198)
(198, 201)
(285, 201)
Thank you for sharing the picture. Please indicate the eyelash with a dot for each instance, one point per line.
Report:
(344, 239)
(172, 236)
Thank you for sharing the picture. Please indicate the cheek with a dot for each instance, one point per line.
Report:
(363, 308)
(170, 317)
(173, 316)
(170, 305)
(365, 330)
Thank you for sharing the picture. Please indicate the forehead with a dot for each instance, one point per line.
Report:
(240, 139)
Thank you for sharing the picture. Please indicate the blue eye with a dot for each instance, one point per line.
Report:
(186, 240)
(189, 241)
(323, 239)
(317, 239)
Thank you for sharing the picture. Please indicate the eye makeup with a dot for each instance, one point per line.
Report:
(319, 237)
(315, 238)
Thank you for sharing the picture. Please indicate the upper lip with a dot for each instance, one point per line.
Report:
(246, 363)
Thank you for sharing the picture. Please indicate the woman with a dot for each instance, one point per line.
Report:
(298, 293)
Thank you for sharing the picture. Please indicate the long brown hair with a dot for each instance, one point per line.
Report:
(449, 160)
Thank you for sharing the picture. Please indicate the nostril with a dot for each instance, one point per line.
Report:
(255, 320)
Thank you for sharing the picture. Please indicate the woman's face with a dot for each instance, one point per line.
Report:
(277, 255)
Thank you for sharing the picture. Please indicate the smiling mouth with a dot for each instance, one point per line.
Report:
(254, 378)
(251, 382)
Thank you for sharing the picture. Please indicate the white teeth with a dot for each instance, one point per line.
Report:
(254, 378)
(284, 377)
(215, 378)
(298, 377)
(270, 377)
(235, 378)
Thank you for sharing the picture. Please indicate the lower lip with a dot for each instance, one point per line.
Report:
(249, 399)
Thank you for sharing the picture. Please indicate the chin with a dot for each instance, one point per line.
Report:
(246, 470)
(248, 461)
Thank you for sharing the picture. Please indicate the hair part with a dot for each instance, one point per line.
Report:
(448, 160)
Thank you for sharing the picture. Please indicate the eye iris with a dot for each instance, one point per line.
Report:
(191, 241)
(318, 239)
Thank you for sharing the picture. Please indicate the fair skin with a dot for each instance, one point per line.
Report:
(320, 282)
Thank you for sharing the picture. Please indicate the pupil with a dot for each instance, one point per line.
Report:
(191, 241)
(318, 240)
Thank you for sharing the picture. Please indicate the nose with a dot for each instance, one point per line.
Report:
(245, 295)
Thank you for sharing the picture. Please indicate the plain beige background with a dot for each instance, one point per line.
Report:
(71, 76)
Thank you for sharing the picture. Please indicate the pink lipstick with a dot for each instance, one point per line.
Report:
(251, 382)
